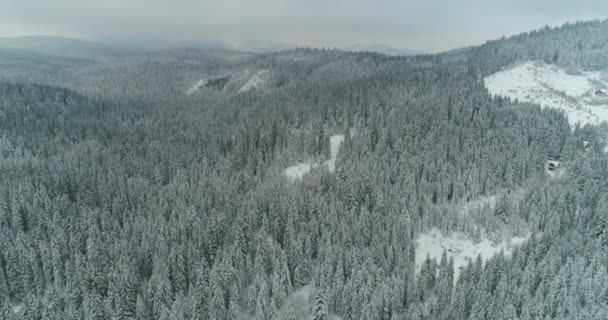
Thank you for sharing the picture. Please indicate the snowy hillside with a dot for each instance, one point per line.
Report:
(583, 96)
(256, 80)
(296, 172)
(241, 81)
(463, 249)
(196, 87)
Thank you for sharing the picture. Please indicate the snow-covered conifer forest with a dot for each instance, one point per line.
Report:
(307, 183)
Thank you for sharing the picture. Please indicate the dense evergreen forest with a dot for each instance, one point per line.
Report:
(121, 197)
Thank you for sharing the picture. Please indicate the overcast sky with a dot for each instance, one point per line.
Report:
(429, 25)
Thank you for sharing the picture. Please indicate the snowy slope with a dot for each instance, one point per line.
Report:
(463, 249)
(196, 87)
(256, 80)
(550, 86)
(297, 171)
(334, 143)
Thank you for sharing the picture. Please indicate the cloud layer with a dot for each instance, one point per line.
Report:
(428, 25)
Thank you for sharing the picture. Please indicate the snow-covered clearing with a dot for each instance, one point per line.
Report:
(334, 143)
(257, 80)
(478, 204)
(303, 300)
(578, 94)
(299, 170)
(463, 249)
(196, 87)
(17, 308)
(296, 172)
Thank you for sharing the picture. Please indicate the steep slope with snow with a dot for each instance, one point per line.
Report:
(257, 80)
(583, 96)
(196, 87)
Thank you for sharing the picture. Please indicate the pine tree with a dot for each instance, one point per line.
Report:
(217, 307)
(201, 294)
(289, 311)
(320, 307)
(263, 309)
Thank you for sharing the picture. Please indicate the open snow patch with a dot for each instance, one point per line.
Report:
(17, 308)
(581, 95)
(478, 204)
(457, 245)
(297, 172)
(303, 301)
(257, 80)
(334, 146)
(196, 87)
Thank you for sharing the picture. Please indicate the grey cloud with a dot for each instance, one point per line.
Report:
(429, 25)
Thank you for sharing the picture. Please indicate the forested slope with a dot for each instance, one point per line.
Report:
(129, 209)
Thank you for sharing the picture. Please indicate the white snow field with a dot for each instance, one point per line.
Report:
(196, 87)
(17, 308)
(299, 170)
(334, 144)
(256, 81)
(463, 249)
(296, 172)
(581, 95)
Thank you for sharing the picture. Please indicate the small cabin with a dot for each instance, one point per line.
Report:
(601, 93)
(554, 169)
(552, 164)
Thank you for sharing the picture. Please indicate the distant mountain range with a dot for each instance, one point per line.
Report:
(120, 48)
(384, 49)
(270, 46)
(66, 47)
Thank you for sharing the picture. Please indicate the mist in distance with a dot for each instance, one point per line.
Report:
(401, 26)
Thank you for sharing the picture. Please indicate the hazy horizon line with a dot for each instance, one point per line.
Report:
(145, 43)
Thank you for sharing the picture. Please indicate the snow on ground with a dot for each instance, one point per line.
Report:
(296, 172)
(299, 170)
(460, 247)
(196, 87)
(17, 308)
(550, 86)
(303, 300)
(334, 143)
(478, 204)
(257, 80)
(556, 174)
